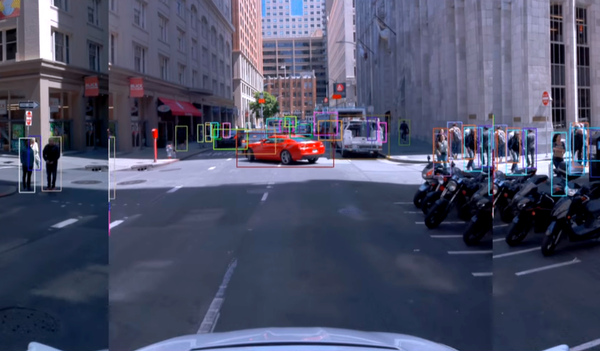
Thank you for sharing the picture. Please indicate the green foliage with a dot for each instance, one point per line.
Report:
(270, 107)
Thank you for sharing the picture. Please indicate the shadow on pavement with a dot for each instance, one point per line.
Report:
(54, 273)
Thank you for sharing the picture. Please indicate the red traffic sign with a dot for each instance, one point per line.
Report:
(340, 88)
(336, 96)
(261, 101)
(28, 117)
(325, 100)
(545, 98)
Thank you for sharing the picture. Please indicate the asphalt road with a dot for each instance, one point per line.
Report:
(332, 247)
(54, 263)
(540, 302)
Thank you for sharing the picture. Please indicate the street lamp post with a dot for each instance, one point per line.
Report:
(285, 77)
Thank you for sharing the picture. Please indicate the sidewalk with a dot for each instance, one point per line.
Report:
(145, 158)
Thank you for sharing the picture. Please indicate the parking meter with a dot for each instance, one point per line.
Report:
(155, 137)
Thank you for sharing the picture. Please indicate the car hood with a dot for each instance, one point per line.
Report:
(298, 336)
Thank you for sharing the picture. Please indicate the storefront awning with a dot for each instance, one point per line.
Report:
(181, 108)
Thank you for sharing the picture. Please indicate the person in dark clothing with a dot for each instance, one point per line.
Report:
(404, 130)
(51, 154)
(578, 145)
(485, 146)
(470, 145)
(559, 149)
(530, 148)
(27, 161)
(514, 146)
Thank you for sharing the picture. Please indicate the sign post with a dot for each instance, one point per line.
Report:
(155, 137)
(261, 101)
(28, 119)
(546, 101)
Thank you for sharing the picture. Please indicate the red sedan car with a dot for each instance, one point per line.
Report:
(286, 148)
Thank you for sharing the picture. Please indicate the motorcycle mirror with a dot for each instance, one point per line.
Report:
(428, 158)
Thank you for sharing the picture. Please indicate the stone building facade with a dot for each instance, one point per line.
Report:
(464, 60)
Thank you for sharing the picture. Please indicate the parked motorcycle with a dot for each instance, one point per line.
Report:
(435, 194)
(481, 223)
(457, 194)
(576, 217)
(430, 182)
(508, 187)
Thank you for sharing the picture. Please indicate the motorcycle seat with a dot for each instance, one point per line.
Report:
(594, 206)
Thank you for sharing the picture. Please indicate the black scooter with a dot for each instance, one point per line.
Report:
(481, 223)
(430, 182)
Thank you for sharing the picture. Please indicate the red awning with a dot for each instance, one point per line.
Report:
(181, 108)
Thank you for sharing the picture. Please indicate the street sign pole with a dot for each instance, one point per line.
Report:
(546, 101)
(262, 97)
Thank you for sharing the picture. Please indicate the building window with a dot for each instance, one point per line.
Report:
(557, 63)
(112, 43)
(164, 67)
(204, 28)
(139, 13)
(205, 81)
(112, 5)
(194, 79)
(181, 73)
(214, 63)
(584, 91)
(92, 10)
(194, 17)
(221, 68)
(61, 47)
(180, 7)
(94, 56)
(61, 4)
(213, 36)
(194, 49)
(204, 56)
(139, 58)
(163, 26)
(214, 86)
(222, 89)
(181, 40)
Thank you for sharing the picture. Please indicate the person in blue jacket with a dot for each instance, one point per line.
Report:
(27, 160)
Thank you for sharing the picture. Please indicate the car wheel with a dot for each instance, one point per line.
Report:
(250, 155)
(286, 157)
(313, 160)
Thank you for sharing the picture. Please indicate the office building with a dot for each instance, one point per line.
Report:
(341, 50)
(292, 56)
(436, 61)
(247, 58)
(293, 18)
(66, 75)
(296, 94)
(171, 65)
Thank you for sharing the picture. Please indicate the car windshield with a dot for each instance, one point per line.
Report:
(301, 139)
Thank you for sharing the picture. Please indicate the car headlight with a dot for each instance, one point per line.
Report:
(451, 185)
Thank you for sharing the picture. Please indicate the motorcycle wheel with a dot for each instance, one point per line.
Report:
(429, 200)
(464, 212)
(435, 217)
(551, 241)
(517, 232)
(418, 198)
(506, 214)
(473, 234)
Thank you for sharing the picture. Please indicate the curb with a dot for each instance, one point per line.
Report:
(9, 191)
(152, 165)
(414, 162)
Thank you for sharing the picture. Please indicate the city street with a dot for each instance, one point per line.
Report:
(202, 245)
(54, 260)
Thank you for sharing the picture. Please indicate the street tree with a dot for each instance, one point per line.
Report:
(270, 107)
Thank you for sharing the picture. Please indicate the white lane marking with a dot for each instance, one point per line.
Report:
(473, 252)
(271, 183)
(264, 198)
(115, 223)
(444, 222)
(500, 225)
(445, 236)
(175, 189)
(413, 212)
(64, 223)
(485, 274)
(212, 315)
(516, 252)
(279, 165)
(557, 265)
(499, 239)
(587, 345)
(228, 159)
(402, 203)
(211, 168)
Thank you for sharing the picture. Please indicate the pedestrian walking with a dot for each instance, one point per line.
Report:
(27, 163)
(36, 153)
(404, 130)
(442, 149)
(456, 134)
(470, 145)
(51, 154)
(559, 149)
(530, 148)
(514, 146)
(485, 147)
(501, 137)
(578, 146)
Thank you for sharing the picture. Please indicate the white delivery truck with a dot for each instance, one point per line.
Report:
(361, 135)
